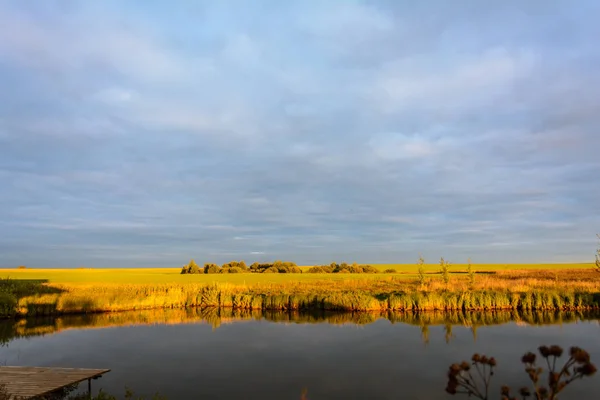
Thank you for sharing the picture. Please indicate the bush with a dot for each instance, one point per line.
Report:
(369, 269)
(191, 268)
(390, 271)
(211, 268)
(315, 270)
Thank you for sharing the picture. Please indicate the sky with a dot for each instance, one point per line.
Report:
(146, 133)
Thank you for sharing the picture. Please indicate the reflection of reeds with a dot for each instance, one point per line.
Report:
(10, 329)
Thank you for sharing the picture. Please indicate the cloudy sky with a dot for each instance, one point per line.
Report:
(147, 133)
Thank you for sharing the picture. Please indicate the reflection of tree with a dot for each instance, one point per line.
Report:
(448, 332)
(425, 334)
(11, 329)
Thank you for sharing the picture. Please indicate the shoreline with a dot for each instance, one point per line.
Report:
(212, 296)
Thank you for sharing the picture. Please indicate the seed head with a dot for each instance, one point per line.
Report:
(544, 351)
(588, 369)
(579, 355)
(528, 358)
(556, 351)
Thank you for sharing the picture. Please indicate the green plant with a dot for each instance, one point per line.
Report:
(473, 379)
(420, 263)
(445, 271)
(191, 268)
(470, 274)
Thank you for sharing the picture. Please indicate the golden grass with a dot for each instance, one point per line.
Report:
(172, 275)
(527, 289)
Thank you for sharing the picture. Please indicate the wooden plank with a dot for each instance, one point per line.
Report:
(27, 382)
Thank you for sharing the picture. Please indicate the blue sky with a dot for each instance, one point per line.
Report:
(147, 133)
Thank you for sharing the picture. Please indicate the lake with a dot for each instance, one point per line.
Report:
(212, 354)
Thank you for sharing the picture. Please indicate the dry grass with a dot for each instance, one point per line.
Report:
(501, 289)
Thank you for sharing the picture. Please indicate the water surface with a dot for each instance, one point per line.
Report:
(211, 354)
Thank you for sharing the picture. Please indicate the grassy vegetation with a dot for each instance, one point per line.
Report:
(52, 292)
(173, 275)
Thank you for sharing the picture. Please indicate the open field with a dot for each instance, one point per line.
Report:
(172, 275)
(53, 292)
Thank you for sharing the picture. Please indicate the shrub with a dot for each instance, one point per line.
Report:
(210, 268)
(315, 270)
(445, 270)
(369, 269)
(390, 271)
(191, 268)
(21, 267)
(421, 271)
(470, 274)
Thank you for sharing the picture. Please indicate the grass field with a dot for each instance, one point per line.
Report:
(172, 275)
(523, 287)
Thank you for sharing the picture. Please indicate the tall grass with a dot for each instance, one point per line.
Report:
(514, 290)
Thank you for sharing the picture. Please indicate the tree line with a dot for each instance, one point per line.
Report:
(276, 267)
(237, 267)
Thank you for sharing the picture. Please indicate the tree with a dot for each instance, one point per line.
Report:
(470, 274)
(445, 270)
(193, 268)
(210, 268)
(420, 263)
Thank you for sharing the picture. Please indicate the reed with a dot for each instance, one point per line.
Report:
(522, 290)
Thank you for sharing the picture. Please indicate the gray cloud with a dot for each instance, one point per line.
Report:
(370, 131)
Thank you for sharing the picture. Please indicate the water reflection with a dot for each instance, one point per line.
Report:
(227, 354)
(23, 328)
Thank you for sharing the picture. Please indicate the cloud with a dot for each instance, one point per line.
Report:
(360, 131)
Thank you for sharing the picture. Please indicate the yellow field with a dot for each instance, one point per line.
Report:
(172, 275)
(523, 286)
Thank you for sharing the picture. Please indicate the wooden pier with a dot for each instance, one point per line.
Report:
(30, 382)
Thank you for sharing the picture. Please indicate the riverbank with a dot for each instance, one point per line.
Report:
(499, 290)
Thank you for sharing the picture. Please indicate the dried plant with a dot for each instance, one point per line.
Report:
(445, 271)
(420, 263)
(474, 378)
(470, 274)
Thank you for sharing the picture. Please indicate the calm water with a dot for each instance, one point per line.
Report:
(194, 355)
